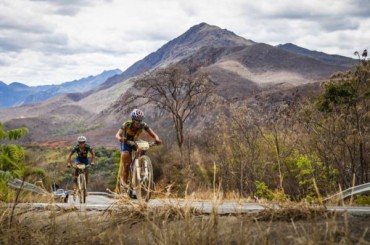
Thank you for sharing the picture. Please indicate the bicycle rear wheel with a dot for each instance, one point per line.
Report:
(82, 188)
(144, 186)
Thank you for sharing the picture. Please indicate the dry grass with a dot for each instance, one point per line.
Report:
(137, 223)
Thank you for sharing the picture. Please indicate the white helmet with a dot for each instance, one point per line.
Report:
(81, 139)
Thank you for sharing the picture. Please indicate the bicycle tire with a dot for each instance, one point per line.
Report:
(144, 188)
(82, 187)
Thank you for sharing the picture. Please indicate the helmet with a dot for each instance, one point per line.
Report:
(137, 115)
(81, 139)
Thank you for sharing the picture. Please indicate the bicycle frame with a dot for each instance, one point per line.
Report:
(81, 181)
(142, 146)
(141, 171)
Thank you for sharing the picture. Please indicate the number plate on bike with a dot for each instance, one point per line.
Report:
(143, 145)
(81, 166)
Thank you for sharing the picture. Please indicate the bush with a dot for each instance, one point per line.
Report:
(362, 200)
(262, 190)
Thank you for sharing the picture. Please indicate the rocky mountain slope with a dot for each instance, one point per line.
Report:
(187, 44)
(328, 59)
(245, 73)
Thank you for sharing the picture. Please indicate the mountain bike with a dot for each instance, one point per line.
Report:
(140, 178)
(81, 182)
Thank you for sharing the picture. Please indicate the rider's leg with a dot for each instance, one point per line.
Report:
(75, 181)
(87, 175)
(126, 160)
(87, 161)
(77, 161)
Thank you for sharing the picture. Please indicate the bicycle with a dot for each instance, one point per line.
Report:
(81, 182)
(140, 178)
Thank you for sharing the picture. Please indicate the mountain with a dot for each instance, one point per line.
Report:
(323, 57)
(256, 75)
(16, 94)
(189, 43)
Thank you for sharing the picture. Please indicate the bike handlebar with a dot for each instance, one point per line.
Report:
(75, 165)
(134, 143)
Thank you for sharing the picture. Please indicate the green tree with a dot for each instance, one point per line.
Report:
(11, 155)
(12, 164)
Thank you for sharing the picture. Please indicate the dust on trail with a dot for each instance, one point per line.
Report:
(174, 225)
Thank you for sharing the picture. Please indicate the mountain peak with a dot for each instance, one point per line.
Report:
(18, 85)
(195, 38)
(203, 27)
(204, 34)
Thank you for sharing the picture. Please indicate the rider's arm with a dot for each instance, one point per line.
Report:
(70, 155)
(154, 135)
(119, 135)
(92, 152)
(69, 158)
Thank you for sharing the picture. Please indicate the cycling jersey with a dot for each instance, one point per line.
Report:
(82, 154)
(132, 133)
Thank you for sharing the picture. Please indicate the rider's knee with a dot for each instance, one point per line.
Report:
(127, 164)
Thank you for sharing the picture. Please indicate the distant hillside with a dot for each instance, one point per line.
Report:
(16, 94)
(323, 57)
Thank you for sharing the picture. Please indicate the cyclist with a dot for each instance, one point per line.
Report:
(130, 131)
(82, 149)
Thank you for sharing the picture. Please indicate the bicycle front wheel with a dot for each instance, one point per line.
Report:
(145, 185)
(82, 188)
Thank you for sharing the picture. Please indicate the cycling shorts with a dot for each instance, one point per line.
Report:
(125, 147)
(86, 161)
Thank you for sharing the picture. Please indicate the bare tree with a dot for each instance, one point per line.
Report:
(176, 91)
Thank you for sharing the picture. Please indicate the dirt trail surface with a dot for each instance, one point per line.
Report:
(97, 202)
(174, 224)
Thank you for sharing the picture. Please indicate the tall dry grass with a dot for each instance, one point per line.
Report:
(131, 222)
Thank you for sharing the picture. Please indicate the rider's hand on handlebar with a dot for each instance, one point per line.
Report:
(158, 142)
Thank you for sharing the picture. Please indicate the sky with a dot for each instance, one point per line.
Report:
(55, 41)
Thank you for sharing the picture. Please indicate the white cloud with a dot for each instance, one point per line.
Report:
(53, 41)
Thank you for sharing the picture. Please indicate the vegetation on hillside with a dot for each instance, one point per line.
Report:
(300, 148)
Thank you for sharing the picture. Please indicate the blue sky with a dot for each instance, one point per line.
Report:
(54, 41)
